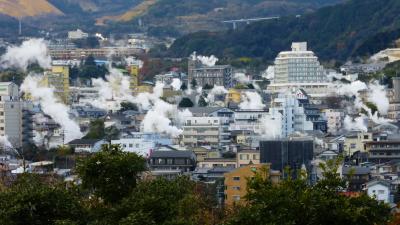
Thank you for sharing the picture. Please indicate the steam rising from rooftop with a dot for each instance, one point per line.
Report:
(30, 51)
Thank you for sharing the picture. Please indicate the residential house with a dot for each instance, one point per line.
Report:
(87, 145)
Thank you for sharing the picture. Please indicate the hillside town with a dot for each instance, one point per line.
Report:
(212, 122)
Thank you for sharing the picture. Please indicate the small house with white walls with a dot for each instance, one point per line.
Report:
(380, 190)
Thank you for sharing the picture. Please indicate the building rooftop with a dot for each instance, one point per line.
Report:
(356, 170)
(171, 154)
(84, 141)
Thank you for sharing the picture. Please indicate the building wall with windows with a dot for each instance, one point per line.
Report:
(142, 143)
(210, 131)
(236, 181)
(247, 157)
(11, 109)
(298, 66)
(355, 141)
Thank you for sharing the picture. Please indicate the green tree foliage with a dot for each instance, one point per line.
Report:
(183, 87)
(186, 103)
(296, 202)
(202, 102)
(193, 83)
(111, 174)
(125, 106)
(336, 32)
(208, 86)
(30, 201)
(165, 202)
(88, 70)
(96, 130)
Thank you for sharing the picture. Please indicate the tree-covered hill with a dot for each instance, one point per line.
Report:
(355, 28)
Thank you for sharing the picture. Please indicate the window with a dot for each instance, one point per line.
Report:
(381, 192)
(130, 145)
(237, 188)
(236, 197)
(365, 136)
(236, 178)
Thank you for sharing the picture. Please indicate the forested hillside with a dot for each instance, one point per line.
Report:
(356, 28)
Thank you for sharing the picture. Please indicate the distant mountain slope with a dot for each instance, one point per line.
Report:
(357, 27)
(27, 8)
(186, 16)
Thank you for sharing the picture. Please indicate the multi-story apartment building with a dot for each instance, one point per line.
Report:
(381, 151)
(247, 157)
(212, 131)
(292, 153)
(11, 111)
(58, 78)
(220, 75)
(294, 117)
(355, 142)
(171, 163)
(236, 181)
(299, 68)
(394, 106)
(335, 120)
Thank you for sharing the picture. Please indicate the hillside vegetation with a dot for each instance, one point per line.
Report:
(355, 28)
(27, 8)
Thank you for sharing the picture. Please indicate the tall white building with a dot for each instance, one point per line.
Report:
(11, 113)
(299, 68)
(294, 118)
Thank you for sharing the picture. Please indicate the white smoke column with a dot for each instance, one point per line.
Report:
(146, 100)
(176, 84)
(30, 51)
(5, 143)
(272, 126)
(359, 123)
(158, 119)
(241, 78)
(379, 98)
(51, 106)
(251, 100)
(217, 90)
(116, 88)
(207, 60)
(269, 73)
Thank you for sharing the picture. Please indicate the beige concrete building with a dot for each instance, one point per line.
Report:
(355, 141)
(236, 181)
(217, 162)
(247, 157)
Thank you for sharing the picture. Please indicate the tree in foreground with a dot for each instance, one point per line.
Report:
(32, 201)
(295, 202)
(111, 174)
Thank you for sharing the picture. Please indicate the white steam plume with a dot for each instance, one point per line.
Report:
(358, 123)
(116, 88)
(176, 84)
(30, 51)
(5, 143)
(205, 60)
(251, 100)
(241, 78)
(51, 106)
(377, 95)
(217, 90)
(269, 73)
(379, 98)
(161, 117)
(271, 126)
